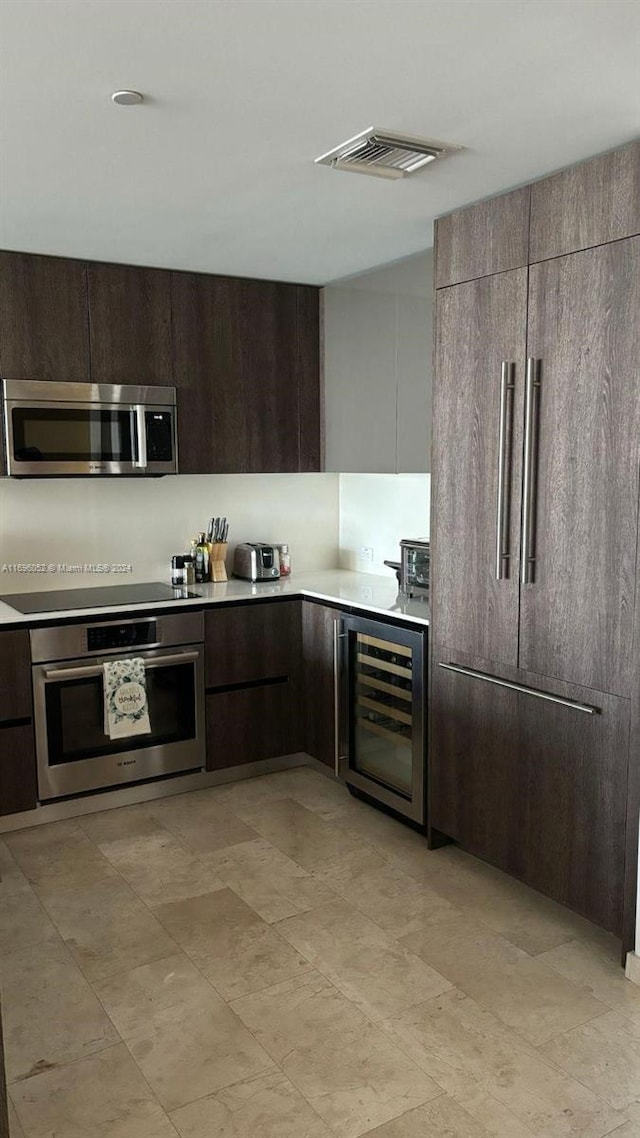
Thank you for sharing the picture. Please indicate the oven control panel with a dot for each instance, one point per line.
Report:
(78, 641)
(130, 634)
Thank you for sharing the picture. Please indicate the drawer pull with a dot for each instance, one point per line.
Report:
(587, 708)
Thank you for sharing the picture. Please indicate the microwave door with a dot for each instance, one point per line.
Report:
(70, 438)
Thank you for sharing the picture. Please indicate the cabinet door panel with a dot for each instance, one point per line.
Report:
(538, 788)
(17, 769)
(318, 625)
(478, 325)
(489, 237)
(308, 370)
(576, 618)
(44, 329)
(235, 351)
(15, 675)
(130, 311)
(251, 724)
(590, 204)
(244, 643)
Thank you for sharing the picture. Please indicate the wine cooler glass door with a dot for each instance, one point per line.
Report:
(386, 753)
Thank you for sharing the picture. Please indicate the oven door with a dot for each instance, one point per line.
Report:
(73, 753)
(77, 438)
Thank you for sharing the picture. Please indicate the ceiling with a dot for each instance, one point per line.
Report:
(215, 171)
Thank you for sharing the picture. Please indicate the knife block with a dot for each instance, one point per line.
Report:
(217, 567)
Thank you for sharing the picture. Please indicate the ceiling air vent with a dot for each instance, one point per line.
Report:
(384, 154)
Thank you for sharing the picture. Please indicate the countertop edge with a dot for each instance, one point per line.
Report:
(339, 587)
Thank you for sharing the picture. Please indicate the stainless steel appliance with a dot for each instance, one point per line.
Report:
(56, 429)
(414, 568)
(73, 753)
(255, 561)
(95, 597)
(381, 714)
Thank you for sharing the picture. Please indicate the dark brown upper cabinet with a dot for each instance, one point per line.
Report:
(44, 328)
(130, 323)
(308, 368)
(246, 369)
(590, 204)
(489, 237)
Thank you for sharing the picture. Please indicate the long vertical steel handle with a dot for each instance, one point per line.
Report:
(507, 382)
(529, 478)
(337, 637)
(141, 436)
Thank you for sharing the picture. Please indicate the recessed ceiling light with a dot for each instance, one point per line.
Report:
(127, 98)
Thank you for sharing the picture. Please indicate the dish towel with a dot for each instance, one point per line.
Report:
(126, 711)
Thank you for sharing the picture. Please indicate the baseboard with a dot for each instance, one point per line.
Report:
(632, 970)
(148, 792)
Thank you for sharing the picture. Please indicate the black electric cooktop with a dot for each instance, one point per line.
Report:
(58, 600)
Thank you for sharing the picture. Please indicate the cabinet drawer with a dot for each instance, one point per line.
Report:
(483, 239)
(250, 724)
(536, 785)
(17, 769)
(590, 204)
(15, 675)
(251, 642)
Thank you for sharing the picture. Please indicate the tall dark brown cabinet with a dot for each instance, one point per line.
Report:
(536, 444)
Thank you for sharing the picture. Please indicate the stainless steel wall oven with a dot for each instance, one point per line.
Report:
(74, 755)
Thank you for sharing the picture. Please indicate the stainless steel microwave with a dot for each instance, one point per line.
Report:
(57, 429)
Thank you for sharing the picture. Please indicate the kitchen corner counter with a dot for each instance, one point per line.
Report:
(341, 587)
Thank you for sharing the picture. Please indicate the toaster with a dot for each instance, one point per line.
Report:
(255, 561)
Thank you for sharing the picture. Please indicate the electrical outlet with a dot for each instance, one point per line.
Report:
(366, 553)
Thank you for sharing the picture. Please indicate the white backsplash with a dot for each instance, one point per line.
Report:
(325, 518)
(143, 522)
(376, 511)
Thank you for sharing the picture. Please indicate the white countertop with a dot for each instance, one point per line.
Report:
(341, 586)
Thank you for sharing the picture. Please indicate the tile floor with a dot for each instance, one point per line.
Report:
(273, 959)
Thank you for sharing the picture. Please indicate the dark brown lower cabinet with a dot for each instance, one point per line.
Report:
(536, 786)
(254, 682)
(248, 724)
(319, 630)
(17, 769)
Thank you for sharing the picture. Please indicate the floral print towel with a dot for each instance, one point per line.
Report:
(126, 711)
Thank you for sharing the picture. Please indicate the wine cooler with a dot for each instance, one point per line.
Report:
(383, 714)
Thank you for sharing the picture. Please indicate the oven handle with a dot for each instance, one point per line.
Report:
(97, 669)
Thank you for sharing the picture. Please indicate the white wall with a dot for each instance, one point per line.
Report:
(144, 522)
(376, 511)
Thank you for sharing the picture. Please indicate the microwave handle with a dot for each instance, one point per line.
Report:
(140, 435)
(97, 669)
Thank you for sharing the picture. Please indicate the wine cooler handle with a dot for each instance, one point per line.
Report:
(337, 637)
